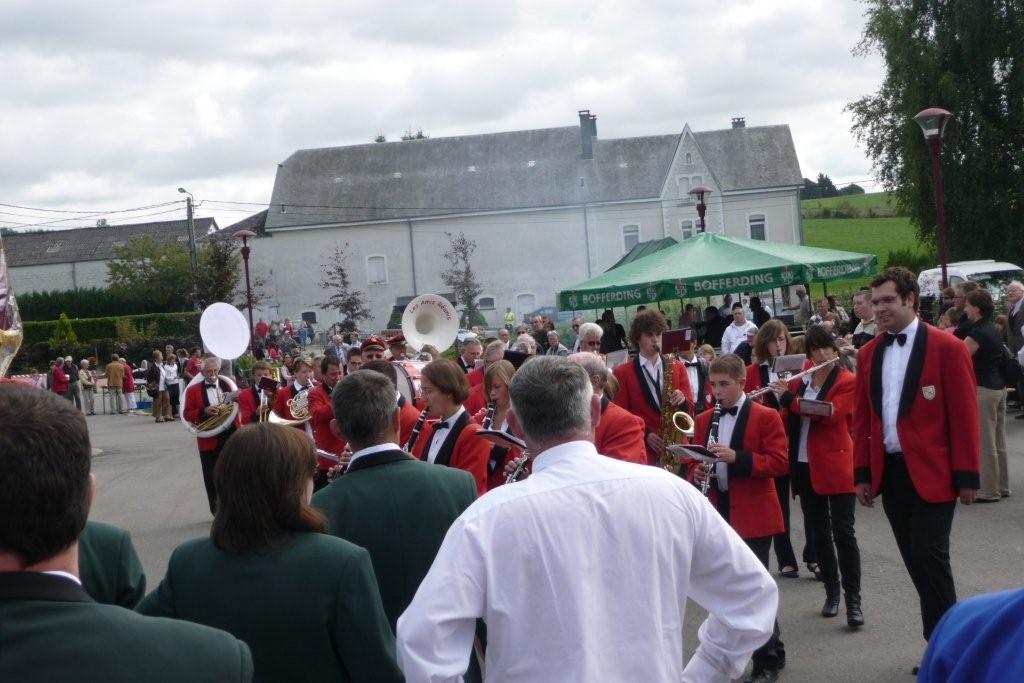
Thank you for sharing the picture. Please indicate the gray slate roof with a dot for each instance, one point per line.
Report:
(512, 170)
(256, 223)
(92, 244)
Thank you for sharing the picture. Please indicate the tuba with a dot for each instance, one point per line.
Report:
(226, 335)
(430, 319)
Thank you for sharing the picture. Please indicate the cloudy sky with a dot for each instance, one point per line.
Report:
(114, 105)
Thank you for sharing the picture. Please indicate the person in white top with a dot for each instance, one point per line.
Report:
(739, 329)
(583, 570)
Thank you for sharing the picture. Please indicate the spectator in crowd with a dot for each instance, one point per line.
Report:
(58, 378)
(88, 380)
(504, 336)
(688, 318)
(555, 346)
(471, 351)
(129, 387)
(194, 364)
(962, 290)
(802, 315)
(590, 337)
(260, 575)
(725, 310)
(74, 393)
(510, 319)
(987, 355)
(707, 352)
(262, 328)
(338, 348)
(946, 299)
(576, 322)
(842, 317)
(614, 334)
(525, 343)
(355, 359)
(173, 382)
(114, 373)
(758, 312)
(714, 327)
(745, 349)
(156, 381)
(738, 330)
(428, 353)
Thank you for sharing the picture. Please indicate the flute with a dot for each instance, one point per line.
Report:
(808, 371)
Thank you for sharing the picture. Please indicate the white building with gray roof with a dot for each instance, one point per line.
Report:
(547, 208)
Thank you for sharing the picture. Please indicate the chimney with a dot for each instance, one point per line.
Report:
(739, 122)
(588, 131)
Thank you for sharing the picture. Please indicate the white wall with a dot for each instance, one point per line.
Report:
(58, 276)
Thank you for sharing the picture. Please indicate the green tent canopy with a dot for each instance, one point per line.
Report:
(714, 264)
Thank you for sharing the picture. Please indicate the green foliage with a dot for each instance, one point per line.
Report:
(184, 324)
(459, 276)
(874, 205)
(36, 357)
(91, 302)
(349, 302)
(148, 270)
(964, 56)
(852, 188)
(63, 333)
(913, 259)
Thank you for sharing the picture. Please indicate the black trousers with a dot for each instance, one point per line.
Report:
(829, 520)
(784, 554)
(771, 655)
(922, 535)
(209, 460)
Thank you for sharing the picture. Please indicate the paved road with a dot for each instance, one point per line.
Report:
(149, 481)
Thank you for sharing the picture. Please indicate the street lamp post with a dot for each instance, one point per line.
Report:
(702, 208)
(933, 123)
(192, 257)
(244, 235)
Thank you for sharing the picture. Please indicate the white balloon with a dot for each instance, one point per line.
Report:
(224, 330)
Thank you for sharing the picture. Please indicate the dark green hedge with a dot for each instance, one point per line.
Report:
(38, 356)
(184, 325)
(91, 302)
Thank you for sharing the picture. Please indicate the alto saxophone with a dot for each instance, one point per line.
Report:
(670, 431)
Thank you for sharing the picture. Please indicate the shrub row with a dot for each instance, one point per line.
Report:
(184, 325)
(36, 357)
(90, 302)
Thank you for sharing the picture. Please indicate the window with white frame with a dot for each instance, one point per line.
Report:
(485, 303)
(687, 229)
(630, 237)
(696, 180)
(376, 270)
(758, 230)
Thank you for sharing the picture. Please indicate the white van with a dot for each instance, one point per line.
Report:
(990, 274)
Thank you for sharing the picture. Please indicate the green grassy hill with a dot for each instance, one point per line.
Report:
(875, 231)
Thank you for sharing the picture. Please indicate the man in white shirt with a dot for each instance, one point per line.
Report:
(542, 562)
(739, 329)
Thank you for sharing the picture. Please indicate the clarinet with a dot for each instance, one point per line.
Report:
(415, 432)
(489, 417)
(712, 440)
(518, 471)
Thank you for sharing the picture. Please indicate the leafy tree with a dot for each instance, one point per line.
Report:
(350, 303)
(222, 276)
(965, 56)
(380, 138)
(459, 276)
(148, 270)
(418, 135)
(63, 333)
(810, 190)
(852, 188)
(826, 187)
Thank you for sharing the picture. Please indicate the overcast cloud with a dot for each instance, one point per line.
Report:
(114, 105)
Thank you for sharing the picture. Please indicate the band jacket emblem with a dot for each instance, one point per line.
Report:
(928, 392)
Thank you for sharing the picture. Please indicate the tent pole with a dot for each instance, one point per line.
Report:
(775, 306)
(824, 288)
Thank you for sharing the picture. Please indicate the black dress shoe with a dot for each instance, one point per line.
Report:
(854, 614)
(763, 676)
(831, 606)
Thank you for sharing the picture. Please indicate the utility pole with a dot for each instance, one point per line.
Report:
(192, 256)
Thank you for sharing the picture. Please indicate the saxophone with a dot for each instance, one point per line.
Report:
(668, 431)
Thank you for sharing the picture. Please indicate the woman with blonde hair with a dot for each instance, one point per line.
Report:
(260, 575)
(496, 381)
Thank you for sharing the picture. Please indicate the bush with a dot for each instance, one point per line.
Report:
(914, 260)
(63, 332)
(92, 302)
(87, 329)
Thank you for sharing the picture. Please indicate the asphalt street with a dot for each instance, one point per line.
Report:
(149, 481)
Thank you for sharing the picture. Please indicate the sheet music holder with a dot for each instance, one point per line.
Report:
(616, 358)
(815, 408)
(499, 438)
(790, 364)
(692, 451)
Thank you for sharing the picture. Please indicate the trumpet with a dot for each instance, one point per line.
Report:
(809, 371)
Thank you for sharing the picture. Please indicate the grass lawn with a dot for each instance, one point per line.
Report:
(873, 200)
(876, 236)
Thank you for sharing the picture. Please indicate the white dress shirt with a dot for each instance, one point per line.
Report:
(894, 370)
(582, 572)
(63, 574)
(370, 450)
(810, 394)
(691, 371)
(442, 430)
(653, 373)
(726, 423)
(734, 334)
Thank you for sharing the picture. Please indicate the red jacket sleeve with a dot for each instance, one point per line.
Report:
(620, 435)
(862, 417)
(769, 448)
(471, 454)
(193, 403)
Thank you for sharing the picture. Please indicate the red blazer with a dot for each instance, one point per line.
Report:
(195, 402)
(620, 434)
(323, 412)
(407, 420)
(468, 451)
(498, 457)
(635, 396)
(759, 440)
(756, 376)
(829, 444)
(281, 398)
(248, 405)
(475, 377)
(937, 421)
(476, 400)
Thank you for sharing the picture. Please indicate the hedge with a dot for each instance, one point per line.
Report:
(91, 302)
(88, 329)
(37, 356)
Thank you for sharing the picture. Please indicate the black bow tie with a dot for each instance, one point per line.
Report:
(210, 386)
(731, 411)
(900, 338)
(692, 363)
(443, 425)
